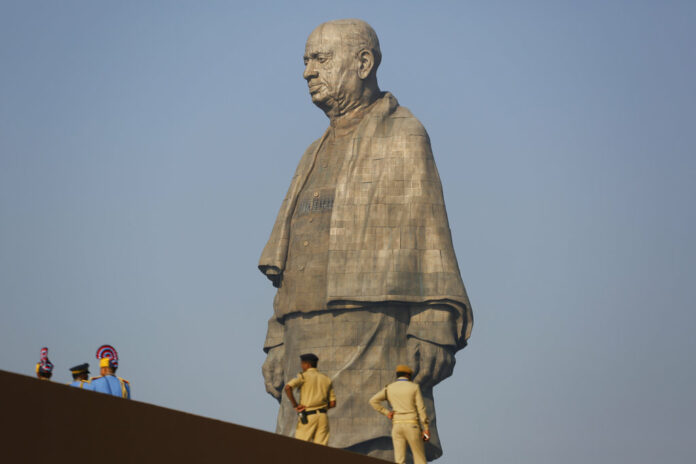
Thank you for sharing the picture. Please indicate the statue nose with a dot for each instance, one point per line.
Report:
(309, 72)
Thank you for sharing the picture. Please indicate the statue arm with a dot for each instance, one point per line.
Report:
(273, 273)
(435, 323)
(274, 254)
(275, 334)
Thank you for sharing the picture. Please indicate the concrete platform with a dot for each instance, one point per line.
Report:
(49, 422)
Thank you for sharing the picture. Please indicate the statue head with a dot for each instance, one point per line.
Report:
(341, 60)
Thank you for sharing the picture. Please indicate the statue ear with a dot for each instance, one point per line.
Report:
(366, 62)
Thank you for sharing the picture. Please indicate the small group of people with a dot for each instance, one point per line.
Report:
(107, 382)
(403, 396)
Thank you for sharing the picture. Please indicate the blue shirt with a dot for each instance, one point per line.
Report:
(111, 385)
(83, 384)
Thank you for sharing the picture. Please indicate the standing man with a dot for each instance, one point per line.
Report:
(409, 420)
(316, 397)
(44, 368)
(107, 382)
(80, 375)
(361, 251)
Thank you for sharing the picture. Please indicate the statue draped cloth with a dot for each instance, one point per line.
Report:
(391, 273)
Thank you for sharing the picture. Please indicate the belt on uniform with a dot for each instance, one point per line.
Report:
(322, 410)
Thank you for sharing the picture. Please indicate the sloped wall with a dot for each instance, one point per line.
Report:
(49, 422)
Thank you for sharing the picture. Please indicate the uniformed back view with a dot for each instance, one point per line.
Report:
(80, 374)
(44, 368)
(316, 398)
(107, 382)
(409, 420)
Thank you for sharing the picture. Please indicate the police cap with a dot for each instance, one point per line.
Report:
(404, 368)
(80, 369)
(309, 357)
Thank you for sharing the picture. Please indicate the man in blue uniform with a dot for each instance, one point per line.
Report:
(108, 382)
(80, 375)
(44, 368)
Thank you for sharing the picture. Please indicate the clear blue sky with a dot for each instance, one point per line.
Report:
(145, 148)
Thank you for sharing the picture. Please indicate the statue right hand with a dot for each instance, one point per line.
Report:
(273, 371)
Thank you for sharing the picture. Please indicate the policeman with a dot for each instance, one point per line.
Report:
(107, 382)
(80, 375)
(409, 421)
(44, 368)
(316, 397)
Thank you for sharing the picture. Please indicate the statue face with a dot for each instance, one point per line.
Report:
(331, 70)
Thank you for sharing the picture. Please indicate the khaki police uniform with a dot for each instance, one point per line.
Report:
(409, 418)
(316, 392)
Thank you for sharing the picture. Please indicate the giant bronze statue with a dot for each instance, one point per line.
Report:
(361, 251)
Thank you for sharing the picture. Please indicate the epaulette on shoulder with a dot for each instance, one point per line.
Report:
(95, 378)
(124, 380)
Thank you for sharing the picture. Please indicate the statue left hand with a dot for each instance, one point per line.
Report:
(431, 363)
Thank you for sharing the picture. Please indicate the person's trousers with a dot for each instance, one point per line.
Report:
(408, 433)
(315, 430)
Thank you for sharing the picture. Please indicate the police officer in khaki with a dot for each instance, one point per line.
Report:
(316, 397)
(409, 421)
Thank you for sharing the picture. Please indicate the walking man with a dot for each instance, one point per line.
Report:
(316, 397)
(409, 420)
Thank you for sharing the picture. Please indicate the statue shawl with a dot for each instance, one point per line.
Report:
(389, 236)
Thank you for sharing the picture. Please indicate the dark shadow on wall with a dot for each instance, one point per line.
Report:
(43, 421)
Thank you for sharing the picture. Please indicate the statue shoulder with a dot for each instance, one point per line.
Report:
(313, 146)
(405, 123)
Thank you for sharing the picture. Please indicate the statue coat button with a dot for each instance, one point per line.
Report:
(306, 242)
(316, 194)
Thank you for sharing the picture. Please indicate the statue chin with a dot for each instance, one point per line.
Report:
(323, 103)
(327, 103)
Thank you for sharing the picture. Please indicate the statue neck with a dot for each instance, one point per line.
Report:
(355, 112)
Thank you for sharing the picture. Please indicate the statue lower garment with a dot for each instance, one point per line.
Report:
(358, 349)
